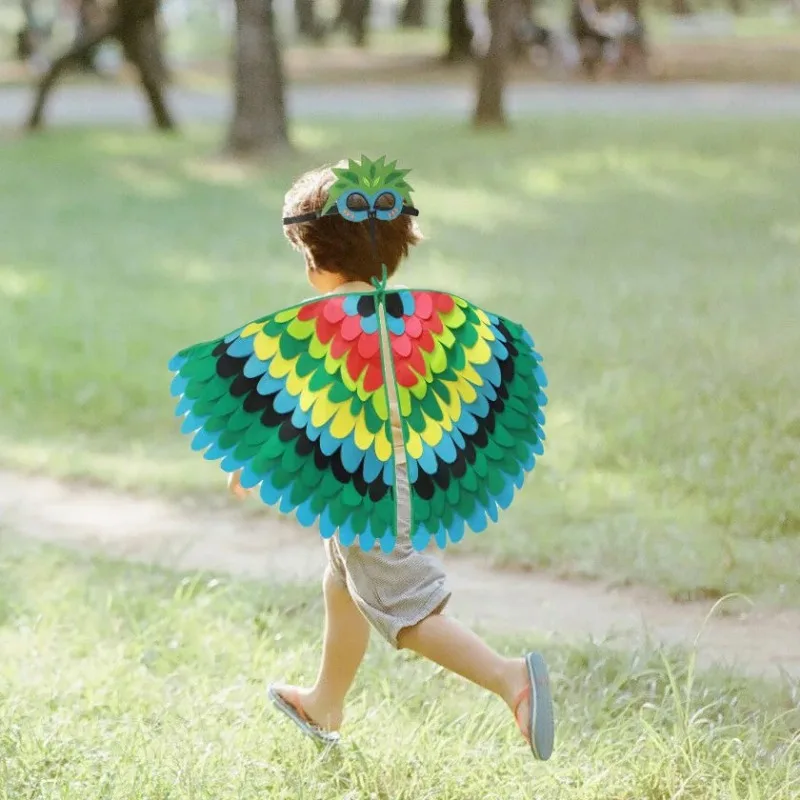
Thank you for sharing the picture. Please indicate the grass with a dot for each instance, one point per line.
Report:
(125, 682)
(654, 261)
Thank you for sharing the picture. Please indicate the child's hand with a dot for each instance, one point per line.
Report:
(235, 485)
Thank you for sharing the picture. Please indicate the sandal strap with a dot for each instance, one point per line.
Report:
(525, 694)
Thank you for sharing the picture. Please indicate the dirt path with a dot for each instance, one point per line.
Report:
(123, 104)
(759, 641)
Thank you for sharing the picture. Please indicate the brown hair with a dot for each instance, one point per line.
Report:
(333, 244)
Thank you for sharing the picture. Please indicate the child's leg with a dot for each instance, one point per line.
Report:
(344, 644)
(445, 641)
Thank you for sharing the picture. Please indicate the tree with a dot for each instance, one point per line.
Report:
(492, 68)
(308, 26)
(354, 15)
(258, 125)
(681, 8)
(412, 14)
(134, 24)
(459, 32)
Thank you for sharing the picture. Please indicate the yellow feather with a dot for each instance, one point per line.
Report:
(404, 400)
(286, 316)
(479, 353)
(343, 422)
(279, 367)
(322, 411)
(414, 444)
(432, 433)
(251, 329)
(295, 384)
(383, 447)
(380, 402)
(301, 329)
(265, 346)
(363, 436)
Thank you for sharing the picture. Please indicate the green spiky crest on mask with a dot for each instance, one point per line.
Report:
(368, 176)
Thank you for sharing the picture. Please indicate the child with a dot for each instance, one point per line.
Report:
(402, 594)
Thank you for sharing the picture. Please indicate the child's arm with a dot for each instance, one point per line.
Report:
(235, 485)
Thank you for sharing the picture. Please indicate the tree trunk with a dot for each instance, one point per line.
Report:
(259, 124)
(681, 8)
(67, 59)
(736, 7)
(308, 26)
(353, 15)
(492, 69)
(412, 15)
(87, 15)
(459, 32)
(141, 41)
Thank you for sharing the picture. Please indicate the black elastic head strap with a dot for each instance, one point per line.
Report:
(312, 215)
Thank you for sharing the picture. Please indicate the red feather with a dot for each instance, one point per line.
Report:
(368, 345)
(413, 327)
(423, 305)
(351, 328)
(355, 363)
(401, 345)
(310, 311)
(334, 311)
(374, 378)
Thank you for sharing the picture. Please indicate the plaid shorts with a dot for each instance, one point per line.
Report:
(392, 590)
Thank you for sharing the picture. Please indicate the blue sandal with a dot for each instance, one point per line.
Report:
(541, 729)
(296, 714)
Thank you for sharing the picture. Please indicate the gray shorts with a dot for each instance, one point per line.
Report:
(392, 590)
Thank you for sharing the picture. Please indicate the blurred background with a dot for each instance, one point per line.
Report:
(621, 178)
(630, 171)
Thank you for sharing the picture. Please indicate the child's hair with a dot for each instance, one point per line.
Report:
(333, 244)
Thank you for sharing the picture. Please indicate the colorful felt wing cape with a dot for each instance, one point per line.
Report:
(299, 401)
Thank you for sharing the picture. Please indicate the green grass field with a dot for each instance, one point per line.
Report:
(122, 682)
(654, 261)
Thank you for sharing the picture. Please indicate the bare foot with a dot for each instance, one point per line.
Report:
(322, 715)
(516, 682)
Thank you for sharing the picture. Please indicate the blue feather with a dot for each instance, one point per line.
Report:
(372, 465)
(254, 367)
(178, 385)
(306, 516)
(176, 362)
(366, 542)
(446, 450)
(328, 442)
(456, 530)
(506, 495)
(202, 439)
(284, 402)
(352, 455)
(299, 418)
(232, 464)
(467, 424)
(326, 525)
(477, 519)
(420, 539)
(191, 423)
(269, 385)
(240, 348)
(184, 406)
(249, 478)
(441, 536)
(388, 472)
(428, 459)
